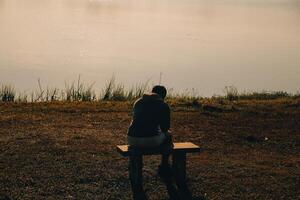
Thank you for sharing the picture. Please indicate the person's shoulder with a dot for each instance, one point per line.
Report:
(165, 105)
(138, 101)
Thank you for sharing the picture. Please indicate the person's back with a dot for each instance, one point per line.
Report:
(151, 120)
(151, 116)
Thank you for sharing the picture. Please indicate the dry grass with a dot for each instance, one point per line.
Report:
(65, 150)
(115, 91)
(7, 93)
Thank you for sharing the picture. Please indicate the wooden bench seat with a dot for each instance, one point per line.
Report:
(184, 147)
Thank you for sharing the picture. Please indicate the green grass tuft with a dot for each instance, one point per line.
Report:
(7, 93)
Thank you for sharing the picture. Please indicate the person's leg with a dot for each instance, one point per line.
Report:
(165, 159)
(136, 177)
(164, 169)
(147, 142)
(167, 147)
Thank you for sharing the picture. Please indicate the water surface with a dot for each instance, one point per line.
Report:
(201, 44)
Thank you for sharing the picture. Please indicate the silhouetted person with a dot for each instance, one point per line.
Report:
(150, 129)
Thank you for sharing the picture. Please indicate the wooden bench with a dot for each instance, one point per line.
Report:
(178, 152)
(181, 147)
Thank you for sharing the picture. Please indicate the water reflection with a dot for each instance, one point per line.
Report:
(195, 44)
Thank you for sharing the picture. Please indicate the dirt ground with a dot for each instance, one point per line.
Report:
(251, 150)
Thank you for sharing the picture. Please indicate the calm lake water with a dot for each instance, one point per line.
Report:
(201, 44)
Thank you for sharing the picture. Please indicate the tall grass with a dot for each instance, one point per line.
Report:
(52, 94)
(22, 97)
(231, 93)
(188, 94)
(42, 95)
(7, 93)
(140, 88)
(79, 91)
(119, 94)
(189, 98)
(117, 91)
(108, 90)
(114, 91)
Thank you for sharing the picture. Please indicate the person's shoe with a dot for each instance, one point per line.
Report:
(165, 172)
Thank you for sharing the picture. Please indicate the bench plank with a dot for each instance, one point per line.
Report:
(185, 147)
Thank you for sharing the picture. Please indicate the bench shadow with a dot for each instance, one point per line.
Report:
(172, 190)
(177, 194)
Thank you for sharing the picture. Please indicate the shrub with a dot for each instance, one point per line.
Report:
(264, 95)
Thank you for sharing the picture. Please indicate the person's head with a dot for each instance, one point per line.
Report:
(160, 90)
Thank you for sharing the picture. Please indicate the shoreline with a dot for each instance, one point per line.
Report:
(114, 91)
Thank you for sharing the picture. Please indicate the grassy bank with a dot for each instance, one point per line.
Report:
(114, 91)
(66, 150)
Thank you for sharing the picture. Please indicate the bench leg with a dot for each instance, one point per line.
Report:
(136, 177)
(179, 168)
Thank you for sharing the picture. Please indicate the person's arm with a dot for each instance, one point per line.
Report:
(165, 118)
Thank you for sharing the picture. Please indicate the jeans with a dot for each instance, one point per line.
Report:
(147, 142)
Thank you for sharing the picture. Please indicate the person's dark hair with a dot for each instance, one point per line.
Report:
(160, 90)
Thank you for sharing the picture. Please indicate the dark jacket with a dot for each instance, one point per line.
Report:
(150, 115)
